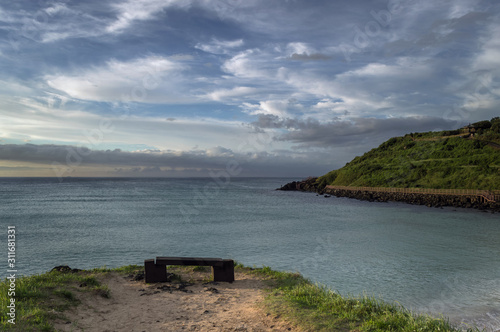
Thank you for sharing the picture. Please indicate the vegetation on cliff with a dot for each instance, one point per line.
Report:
(466, 158)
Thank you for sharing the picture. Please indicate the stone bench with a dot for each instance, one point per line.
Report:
(222, 269)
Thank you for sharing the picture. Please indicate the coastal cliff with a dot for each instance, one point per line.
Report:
(432, 169)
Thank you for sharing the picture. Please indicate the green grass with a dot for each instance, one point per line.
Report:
(201, 268)
(40, 299)
(439, 160)
(318, 308)
(127, 269)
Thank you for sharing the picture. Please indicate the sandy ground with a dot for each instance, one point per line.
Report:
(197, 306)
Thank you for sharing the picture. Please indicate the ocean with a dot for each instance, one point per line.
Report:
(431, 260)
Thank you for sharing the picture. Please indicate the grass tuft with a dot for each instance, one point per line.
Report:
(42, 298)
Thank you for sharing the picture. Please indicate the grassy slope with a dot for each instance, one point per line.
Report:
(441, 160)
(43, 298)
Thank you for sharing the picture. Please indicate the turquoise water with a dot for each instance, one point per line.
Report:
(431, 260)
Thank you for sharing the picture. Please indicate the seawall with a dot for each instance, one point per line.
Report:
(428, 199)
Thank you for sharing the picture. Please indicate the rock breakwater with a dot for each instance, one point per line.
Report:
(427, 199)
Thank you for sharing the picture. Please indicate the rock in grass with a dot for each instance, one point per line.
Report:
(64, 269)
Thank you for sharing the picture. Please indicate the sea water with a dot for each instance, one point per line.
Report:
(438, 261)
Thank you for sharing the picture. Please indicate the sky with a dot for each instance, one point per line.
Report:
(219, 88)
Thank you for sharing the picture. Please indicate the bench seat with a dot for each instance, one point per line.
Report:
(222, 269)
(189, 261)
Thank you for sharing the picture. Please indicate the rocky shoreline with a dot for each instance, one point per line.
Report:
(430, 200)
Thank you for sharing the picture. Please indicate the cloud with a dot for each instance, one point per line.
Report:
(130, 11)
(356, 131)
(6, 17)
(220, 46)
(327, 107)
(72, 155)
(62, 22)
(54, 22)
(149, 79)
(488, 58)
(228, 94)
(173, 75)
(304, 52)
(244, 65)
(59, 21)
(405, 85)
(73, 160)
(121, 127)
(276, 108)
(309, 57)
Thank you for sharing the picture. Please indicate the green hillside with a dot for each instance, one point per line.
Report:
(466, 158)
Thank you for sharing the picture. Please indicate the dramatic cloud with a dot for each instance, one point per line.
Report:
(67, 160)
(199, 80)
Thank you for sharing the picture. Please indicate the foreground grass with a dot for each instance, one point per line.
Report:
(41, 299)
(317, 308)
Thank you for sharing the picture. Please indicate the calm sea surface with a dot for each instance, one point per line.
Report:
(430, 260)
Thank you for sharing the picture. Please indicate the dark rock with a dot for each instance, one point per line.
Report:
(64, 269)
(166, 288)
(308, 184)
(139, 276)
(212, 289)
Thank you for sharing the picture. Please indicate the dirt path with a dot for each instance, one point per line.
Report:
(135, 306)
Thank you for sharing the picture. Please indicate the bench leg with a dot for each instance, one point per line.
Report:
(153, 272)
(224, 273)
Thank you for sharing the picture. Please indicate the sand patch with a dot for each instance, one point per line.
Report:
(172, 306)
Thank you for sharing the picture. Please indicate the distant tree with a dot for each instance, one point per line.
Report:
(482, 124)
